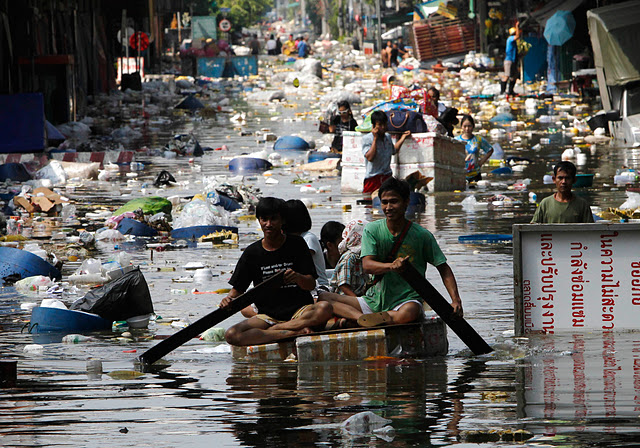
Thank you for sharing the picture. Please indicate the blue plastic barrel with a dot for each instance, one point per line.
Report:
(130, 226)
(290, 142)
(25, 264)
(316, 156)
(45, 320)
(249, 165)
(194, 232)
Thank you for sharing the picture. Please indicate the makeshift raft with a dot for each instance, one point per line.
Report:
(416, 340)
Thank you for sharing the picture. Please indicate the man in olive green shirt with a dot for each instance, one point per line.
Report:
(563, 206)
(392, 300)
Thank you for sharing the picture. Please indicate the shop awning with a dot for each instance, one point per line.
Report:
(615, 38)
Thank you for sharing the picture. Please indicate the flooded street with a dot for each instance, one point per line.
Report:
(562, 390)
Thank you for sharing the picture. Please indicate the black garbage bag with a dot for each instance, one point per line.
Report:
(164, 178)
(120, 299)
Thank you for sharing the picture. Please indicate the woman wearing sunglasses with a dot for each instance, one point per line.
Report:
(343, 121)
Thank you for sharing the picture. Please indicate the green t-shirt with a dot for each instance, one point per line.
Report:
(551, 211)
(421, 247)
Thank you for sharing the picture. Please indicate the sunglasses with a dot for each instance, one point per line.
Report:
(343, 112)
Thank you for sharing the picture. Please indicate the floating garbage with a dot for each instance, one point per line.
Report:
(214, 334)
(190, 102)
(367, 422)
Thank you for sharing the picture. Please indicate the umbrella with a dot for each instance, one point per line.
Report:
(559, 27)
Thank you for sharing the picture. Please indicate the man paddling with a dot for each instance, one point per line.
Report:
(387, 245)
(290, 310)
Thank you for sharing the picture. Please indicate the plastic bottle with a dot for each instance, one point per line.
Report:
(136, 166)
(179, 291)
(75, 339)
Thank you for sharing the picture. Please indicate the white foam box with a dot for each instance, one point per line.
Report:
(352, 149)
(352, 179)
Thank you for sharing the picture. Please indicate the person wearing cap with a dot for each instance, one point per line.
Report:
(511, 72)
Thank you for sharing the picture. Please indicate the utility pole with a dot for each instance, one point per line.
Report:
(379, 37)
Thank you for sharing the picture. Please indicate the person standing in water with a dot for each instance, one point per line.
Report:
(563, 206)
(478, 149)
(344, 121)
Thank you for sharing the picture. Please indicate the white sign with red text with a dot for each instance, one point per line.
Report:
(578, 278)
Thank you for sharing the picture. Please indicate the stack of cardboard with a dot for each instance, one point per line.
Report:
(41, 200)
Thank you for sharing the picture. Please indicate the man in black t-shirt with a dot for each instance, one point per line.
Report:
(290, 310)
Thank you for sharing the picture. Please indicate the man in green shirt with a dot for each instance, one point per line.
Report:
(391, 300)
(563, 206)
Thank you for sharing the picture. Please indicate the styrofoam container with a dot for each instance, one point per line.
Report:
(203, 275)
(139, 321)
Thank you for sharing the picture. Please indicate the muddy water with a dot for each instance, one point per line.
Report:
(564, 390)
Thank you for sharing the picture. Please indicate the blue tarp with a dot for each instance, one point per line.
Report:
(22, 123)
(228, 67)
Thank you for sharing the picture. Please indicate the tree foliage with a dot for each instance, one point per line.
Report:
(246, 13)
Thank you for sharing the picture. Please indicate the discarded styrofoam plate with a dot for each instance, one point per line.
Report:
(194, 265)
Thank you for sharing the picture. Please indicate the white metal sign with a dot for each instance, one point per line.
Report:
(577, 277)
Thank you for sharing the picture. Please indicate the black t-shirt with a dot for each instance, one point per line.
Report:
(394, 56)
(257, 264)
(340, 128)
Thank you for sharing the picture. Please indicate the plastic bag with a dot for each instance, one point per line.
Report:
(33, 283)
(109, 235)
(53, 172)
(89, 266)
(125, 297)
(364, 423)
(632, 202)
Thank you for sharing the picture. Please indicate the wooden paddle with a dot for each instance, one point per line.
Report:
(438, 303)
(204, 323)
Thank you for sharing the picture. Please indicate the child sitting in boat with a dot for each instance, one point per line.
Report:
(330, 238)
(349, 277)
(387, 245)
(291, 310)
(298, 222)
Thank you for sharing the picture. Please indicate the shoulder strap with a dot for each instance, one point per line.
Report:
(394, 249)
(398, 243)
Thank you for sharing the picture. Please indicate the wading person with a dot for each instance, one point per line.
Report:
(290, 310)
(387, 245)
(511, 71)
(344, 121)
(378, 148)
(563, 206)
(478, 149)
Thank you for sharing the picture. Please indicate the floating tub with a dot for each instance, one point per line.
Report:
(290, 142)
(249, 165)
(317, 156)
(48, 320)
(195, 232)
(583, 180)
(26, 264)
(130, 226)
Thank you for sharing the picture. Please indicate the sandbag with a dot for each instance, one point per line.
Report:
(149, 205)
(127, 296)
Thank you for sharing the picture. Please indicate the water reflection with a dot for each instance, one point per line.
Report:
(420, 397)
(582, 384)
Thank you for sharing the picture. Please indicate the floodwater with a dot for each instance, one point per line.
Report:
(562, 390)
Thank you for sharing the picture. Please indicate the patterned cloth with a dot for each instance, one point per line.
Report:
(349, 270)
